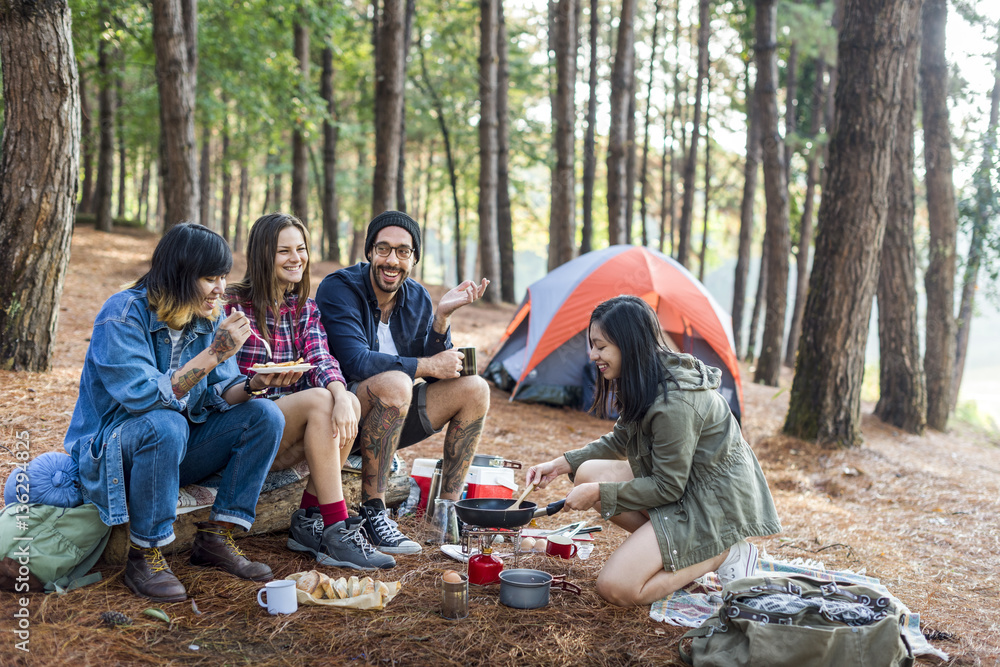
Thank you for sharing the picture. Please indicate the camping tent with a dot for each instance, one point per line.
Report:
(543, 355)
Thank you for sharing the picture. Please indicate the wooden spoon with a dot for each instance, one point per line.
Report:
(527, 490)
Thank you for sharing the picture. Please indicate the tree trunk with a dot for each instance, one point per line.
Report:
(122, 173)
(562, 212)
(590, 139)
(902, 394)
(331, 133)
(760, 299)
(942, 216)
(776, 192)
(489, 252)
(300, 158)
(106, 150)
(205, 179)
(388, 103)
(226, 206)
(87, 139)
(242, 208)
(980, 232)
(750, 170)
(144, 193)
(675, 118)
(791, 92)
(39, 165)
(176, 74)
(621, 83)
(643, 183)
(411, 8)
(806, 221)
(825, 401)
(687, 207)
(505, 224)
(630, 175)
(708, 179)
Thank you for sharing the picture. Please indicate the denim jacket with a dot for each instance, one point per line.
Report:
(350, 313)
(126, 374)
(693, 471)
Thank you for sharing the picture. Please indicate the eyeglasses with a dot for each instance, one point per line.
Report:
(402, 251)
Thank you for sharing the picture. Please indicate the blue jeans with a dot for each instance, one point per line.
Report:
(163, 451)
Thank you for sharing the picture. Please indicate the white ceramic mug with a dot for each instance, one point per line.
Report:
(280, 597)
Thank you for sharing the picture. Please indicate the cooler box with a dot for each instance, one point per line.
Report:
(490, 482)
(422, 472)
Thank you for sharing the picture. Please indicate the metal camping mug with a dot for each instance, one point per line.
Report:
(455, 598)
(469, 361)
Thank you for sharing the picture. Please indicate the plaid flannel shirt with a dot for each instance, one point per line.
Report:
(290, 340)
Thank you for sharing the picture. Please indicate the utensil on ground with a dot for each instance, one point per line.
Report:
(529, 589)
(497, 513)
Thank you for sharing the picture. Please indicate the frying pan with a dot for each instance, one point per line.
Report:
(498, 513)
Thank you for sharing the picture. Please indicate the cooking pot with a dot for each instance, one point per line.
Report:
(529, 589)
(499, 513)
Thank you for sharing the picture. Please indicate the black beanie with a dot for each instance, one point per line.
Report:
(390, 219)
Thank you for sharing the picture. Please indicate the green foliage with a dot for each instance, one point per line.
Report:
(969, 412)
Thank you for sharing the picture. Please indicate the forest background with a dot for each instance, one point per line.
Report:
(488, 121)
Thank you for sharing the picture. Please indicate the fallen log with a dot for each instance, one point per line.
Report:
(274, 512)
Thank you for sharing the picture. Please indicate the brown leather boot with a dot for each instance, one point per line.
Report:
(214, 547)
(147, 575)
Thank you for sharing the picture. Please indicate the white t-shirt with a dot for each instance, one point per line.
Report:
(386, 345)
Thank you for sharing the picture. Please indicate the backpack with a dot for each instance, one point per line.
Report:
(798, 621)
(43, 547)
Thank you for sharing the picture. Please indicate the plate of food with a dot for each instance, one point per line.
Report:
(297, 366)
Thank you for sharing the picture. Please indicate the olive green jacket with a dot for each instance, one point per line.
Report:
(694, 473)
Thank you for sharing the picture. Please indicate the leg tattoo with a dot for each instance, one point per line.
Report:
(459, 447)
(378, 440)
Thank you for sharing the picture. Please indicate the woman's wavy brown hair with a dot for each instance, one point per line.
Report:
(260, 288)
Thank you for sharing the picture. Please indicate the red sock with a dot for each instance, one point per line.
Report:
(333, 512)
(308, 500)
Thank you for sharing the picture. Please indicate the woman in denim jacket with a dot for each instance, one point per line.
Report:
(162, 404)
(675, 472)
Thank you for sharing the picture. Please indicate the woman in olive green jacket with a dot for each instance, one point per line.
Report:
(675, 472)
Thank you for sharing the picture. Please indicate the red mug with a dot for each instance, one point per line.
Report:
(560, 546)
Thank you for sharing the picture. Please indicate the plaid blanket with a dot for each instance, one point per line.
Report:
(692, 605)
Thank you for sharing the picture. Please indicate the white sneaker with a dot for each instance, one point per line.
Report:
(741, 562)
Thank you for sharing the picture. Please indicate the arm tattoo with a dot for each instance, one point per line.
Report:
(378, 441)
(460, 444)
(223, 345)
(183, 382)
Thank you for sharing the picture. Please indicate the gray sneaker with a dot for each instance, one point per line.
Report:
(384, 533)
(344, 545)
(340, 545)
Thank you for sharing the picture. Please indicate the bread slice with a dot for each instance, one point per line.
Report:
(353, 586)
(367, 586)
(340, 588)
(308, 582)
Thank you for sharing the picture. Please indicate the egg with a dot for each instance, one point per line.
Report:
(540, 544)
(527, 544)
(452, 577)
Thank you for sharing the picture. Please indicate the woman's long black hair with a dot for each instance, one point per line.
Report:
(630, 324)
(185, 254)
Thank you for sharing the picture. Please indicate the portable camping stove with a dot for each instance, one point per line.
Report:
(485, 537)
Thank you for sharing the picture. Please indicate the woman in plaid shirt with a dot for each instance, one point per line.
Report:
(321, 416)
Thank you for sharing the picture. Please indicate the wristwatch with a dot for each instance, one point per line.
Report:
(249, 390)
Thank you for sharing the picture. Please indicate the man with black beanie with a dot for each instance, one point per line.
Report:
(395, 350)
